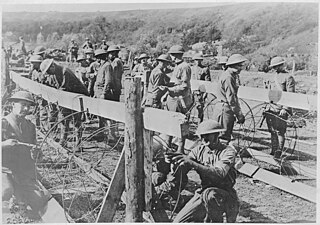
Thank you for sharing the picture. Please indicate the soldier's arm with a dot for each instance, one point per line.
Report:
(220, 169)
(185, 78)
(108, 79)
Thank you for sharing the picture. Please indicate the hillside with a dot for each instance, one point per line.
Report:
(249, 28)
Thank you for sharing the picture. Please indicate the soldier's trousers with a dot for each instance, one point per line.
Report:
(225, 116)
(209, 206)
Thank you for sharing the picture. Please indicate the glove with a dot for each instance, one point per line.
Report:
(241, 119)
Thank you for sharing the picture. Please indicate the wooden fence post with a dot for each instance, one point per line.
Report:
(134, 151)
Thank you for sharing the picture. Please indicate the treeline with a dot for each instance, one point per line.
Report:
(257, 30)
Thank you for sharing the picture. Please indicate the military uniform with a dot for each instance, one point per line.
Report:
(227, 106)
(92, 71)
(216, 195)
(18, 167)
(276, 123)
(158, 78)
(117, 73)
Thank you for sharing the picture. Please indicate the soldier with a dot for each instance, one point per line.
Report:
(35, 72)
(73, 50)
(227, 106)
(214, 162)
(143, 70)
(40, 50)
(200, 72)
(64, 79)
(22, 47)
(104, 45)
(222, 62)
(104, 88)
(157, 82)
(179, 98)
(113, 56)
(92, 70)
(19, 177)
(89, 53)
(81, 70)
(277, 115)
(87, 44)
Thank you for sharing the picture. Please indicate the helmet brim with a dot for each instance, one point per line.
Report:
(50, 61)
(12, 99)
(210, 131)
(276, 64)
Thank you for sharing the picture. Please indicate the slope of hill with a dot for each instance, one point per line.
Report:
(248, 28)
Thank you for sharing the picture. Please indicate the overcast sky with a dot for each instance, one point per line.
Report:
(98, 5)
(112, 5)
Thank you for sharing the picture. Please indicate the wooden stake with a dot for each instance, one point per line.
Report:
(134, 152)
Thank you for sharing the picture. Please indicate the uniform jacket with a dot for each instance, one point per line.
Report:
(222, 160)
(200, 73)
(117, 74)
(181, 77)
(17, 160)
(227, 91)
(104, 81)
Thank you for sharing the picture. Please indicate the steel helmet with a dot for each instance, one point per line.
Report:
(72, 39)
(209, 127)
(222, 60)
(176, 49)
(89, 51)
(100, 52)
(197, 57)
(164, 57)
(87, 39)
(235, 59)
(45, 65)
(36, 58)
(81, 57)
(113, 48)
(103, 40)
(22, 95)
(186, 55)
(143, 56)
(277, 61)
(39, 50)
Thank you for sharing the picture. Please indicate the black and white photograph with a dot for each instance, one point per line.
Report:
(159, 111)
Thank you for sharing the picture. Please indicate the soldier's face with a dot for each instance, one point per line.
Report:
(36, 65)
(21, 108)
(210, 139)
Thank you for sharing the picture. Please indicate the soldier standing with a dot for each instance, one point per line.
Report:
(157, 82)
(277, 115)
(200, 72)
(73, 50)
(179, 95)
(104, 45)
(117, 66)
(227, 106)
(143, 70)
(87, 44)
(92, 70)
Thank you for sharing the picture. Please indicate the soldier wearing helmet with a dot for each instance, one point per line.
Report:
(89, 53)
(214, 162)
(104, 45)
(35, 72)
(222, 61)
(200, 72)
(87, 44)
(227, 106)
(73, 50)
(81, 70)
(179, 94)
(40, 50)
(62, 78)
(143, 70)
(157, 82)
(105, 87)
(19, 177)
(22, 47)
(117, 66)
(276, 116)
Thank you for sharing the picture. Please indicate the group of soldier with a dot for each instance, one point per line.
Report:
(166, 85)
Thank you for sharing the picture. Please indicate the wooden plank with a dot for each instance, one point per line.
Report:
(74, 190)
(148, 156)
(167, 122)
(115, 190)
(303, 170)
(134, 152)
(294, 100)
(248, 169)
(154, 119)
(299, 189)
